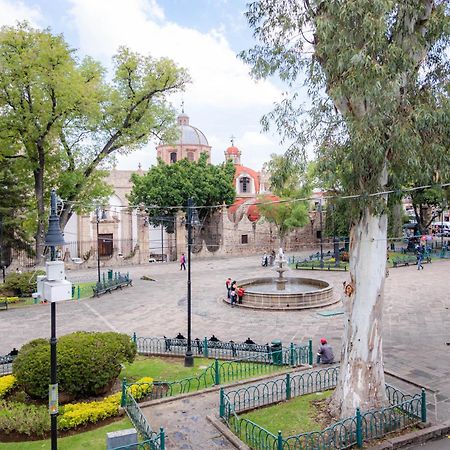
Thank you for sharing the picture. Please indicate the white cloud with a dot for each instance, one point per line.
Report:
(13, 11)
(222, 100)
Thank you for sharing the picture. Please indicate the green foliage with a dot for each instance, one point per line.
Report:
(30, 420)
(22, 284)
(337, 218)
(289, 181)
(285, 215)
(172, 185)
(87, 363)
(62, 120)
(377, 72)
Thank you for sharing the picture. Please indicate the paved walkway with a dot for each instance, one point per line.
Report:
(185, 424)
(416, 314)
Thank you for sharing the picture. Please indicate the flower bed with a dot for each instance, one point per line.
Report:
(34, 420)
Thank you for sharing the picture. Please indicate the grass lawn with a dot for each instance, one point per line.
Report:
(292, 417)
(160, 368)
(172, 369)
(95, 440)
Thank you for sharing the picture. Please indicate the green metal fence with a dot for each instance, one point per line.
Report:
(151, 439)
(220, 372)
(404, 410)
(299, 353)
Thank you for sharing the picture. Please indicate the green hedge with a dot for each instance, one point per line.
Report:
(22, 284)
(88, 363)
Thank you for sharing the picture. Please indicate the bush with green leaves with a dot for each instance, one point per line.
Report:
(88, 363)
(22, 284)
(31, 420)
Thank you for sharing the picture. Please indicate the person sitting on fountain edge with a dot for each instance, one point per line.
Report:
(325, 353)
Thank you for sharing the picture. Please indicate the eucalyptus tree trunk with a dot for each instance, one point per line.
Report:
(361, 380)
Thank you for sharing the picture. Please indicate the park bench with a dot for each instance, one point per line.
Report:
(111, 284)
(3, 304)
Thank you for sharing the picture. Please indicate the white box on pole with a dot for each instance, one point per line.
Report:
(55, 270)
(56, 291)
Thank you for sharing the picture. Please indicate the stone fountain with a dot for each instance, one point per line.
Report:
(285, 293)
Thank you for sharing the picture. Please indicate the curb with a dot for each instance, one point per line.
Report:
(231, 437)
(415, 437)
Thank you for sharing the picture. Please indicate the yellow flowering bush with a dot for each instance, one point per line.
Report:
(75, 414)
(141, 390)
(6, 384)
(9, 299)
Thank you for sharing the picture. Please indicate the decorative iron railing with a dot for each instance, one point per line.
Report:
(6, 364)
(404, 410)
(151, 439)
(294, 355)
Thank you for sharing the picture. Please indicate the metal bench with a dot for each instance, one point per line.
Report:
(4, 304)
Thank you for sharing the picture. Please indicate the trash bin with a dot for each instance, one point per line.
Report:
(110, 274)
(277, 352)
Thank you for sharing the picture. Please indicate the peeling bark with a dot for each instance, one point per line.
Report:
(361, 382)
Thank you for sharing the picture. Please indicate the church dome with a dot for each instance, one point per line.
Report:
(189, 135)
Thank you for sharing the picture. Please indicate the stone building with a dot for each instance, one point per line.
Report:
(125, 236)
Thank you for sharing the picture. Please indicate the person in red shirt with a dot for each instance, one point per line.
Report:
(228, 285)
(240, 294)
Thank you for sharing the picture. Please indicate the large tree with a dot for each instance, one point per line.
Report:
(165, 188)
(288, 181)
(64, 120)
(366, 62)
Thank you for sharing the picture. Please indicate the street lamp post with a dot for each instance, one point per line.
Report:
(192, 220)
(321, 233)
(53, 238)
(100, 215)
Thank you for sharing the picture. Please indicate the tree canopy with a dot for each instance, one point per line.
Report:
(63, 120)
(289, 181)
(166, 187)
(377, 73)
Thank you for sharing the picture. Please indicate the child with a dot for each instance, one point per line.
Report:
(240, 294)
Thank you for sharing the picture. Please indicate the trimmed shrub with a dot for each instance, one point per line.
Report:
(76, 414)
(30, 420)
(88, 363)
(6, 384)
(22, 284)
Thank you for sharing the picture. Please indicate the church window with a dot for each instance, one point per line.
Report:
(244, 238)
(173, 157)
(245, 184)
(190, 156)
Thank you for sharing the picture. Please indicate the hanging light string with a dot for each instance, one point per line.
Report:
(272, 201)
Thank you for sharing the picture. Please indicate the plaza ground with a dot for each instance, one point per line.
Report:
(416, 315)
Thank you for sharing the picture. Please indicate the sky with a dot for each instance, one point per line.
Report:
(203, 36)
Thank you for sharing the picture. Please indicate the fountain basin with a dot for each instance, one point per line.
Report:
(299, 293)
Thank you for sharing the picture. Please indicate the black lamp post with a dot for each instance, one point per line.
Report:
(321, 234)
(100, 215)
(192, 220)
(53, 238)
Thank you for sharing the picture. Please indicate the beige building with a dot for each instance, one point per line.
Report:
(125, 236)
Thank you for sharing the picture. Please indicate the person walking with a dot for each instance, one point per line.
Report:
(233, 293)
(325, 353)
(419, 258)
(228, 285)
(183, 262)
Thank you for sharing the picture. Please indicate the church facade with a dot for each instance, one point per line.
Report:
(125, 237)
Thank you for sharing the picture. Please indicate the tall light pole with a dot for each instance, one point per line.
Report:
(100, 215)
(53, 238)
(321, 233)
(192, 220)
